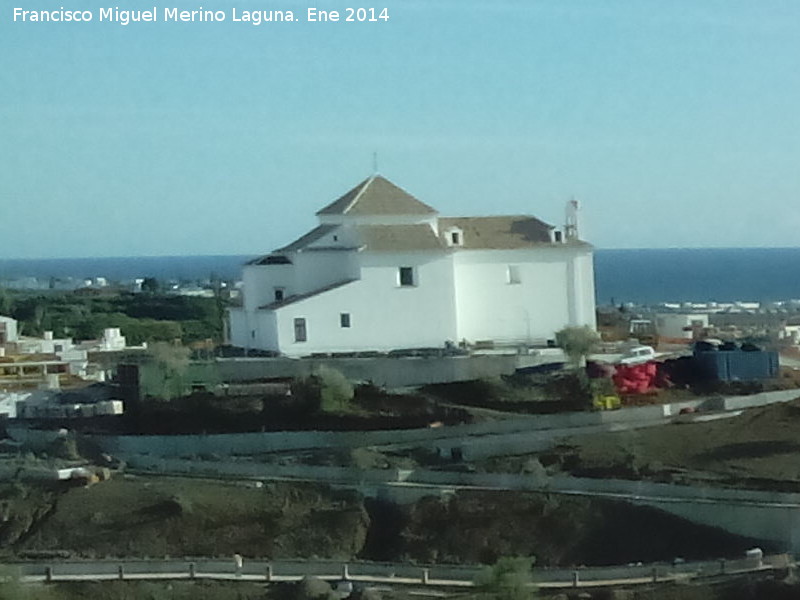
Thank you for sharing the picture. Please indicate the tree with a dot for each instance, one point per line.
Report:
(508, 579)
(6, 303)
(151, 284)
(336, 392)
(577, 342)
(172, 361)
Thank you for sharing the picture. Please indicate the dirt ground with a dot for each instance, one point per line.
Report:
(161, 516)
(757, 449)
(480, 527)
(186, 517)
(158, 516)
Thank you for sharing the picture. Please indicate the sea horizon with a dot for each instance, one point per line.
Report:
(622, 275)
(190, 255)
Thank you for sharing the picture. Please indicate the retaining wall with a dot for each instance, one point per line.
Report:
(383, 371)
(259, 443)
(769, 516)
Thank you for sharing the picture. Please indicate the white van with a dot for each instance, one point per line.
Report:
(638, 355)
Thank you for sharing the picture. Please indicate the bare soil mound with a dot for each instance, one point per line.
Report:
(758, 449)
(187, 517)
(480, 527)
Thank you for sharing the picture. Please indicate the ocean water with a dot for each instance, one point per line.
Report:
(643, 276)
(188, 268)
(697, 275)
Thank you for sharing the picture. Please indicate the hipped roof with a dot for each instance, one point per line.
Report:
(377, 195)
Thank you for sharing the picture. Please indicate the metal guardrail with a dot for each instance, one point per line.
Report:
(380, 573)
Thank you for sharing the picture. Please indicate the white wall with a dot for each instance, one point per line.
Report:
(309, 271)
(315, 269)
(112, 339)
(10, 324)
(78, 360)
(383, 314)
(672, 325)
(791, 333)
(45, 346)
(266, 330)
(583, 295)
(253, 329)
(556, 289)
(260, 281)
(238, 331)
(457, 295)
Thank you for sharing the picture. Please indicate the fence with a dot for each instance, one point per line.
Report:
(386, 573)
(259, 443)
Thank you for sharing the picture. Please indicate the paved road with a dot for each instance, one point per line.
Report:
(450, 576)
(435, 481)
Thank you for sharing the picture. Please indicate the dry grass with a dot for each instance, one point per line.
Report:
(758, 449)
(188, 517)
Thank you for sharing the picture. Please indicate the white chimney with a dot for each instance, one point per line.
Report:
(48, 335)
(571, 223)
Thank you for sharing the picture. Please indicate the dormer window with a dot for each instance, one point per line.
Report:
(454, 236)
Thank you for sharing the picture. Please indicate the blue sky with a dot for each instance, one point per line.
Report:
(674, 123)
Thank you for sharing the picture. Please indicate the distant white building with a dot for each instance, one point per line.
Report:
(63, 348)
(790, 334)
(9, 331)
(681, 326)
(112, 341)
(74, 356)
(384, 271)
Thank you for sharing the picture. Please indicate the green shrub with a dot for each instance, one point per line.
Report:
(508, 579)
(577, 342)
(64, 447)
(336, 391)
(11, 588)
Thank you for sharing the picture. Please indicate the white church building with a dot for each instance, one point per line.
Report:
(383, 271)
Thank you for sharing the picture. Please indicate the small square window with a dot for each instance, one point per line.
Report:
(300, 333)
(344, 319)
(278, 294)
(514, 274)
(406, 275)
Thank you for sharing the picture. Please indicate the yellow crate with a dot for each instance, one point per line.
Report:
(606, 402)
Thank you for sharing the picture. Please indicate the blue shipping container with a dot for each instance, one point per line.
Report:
(736, 365)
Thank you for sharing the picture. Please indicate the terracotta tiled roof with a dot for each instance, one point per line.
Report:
(502, 232)
(377, 196)
(299, 297)
(309, 238)
(398, 237)
(274, 258)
